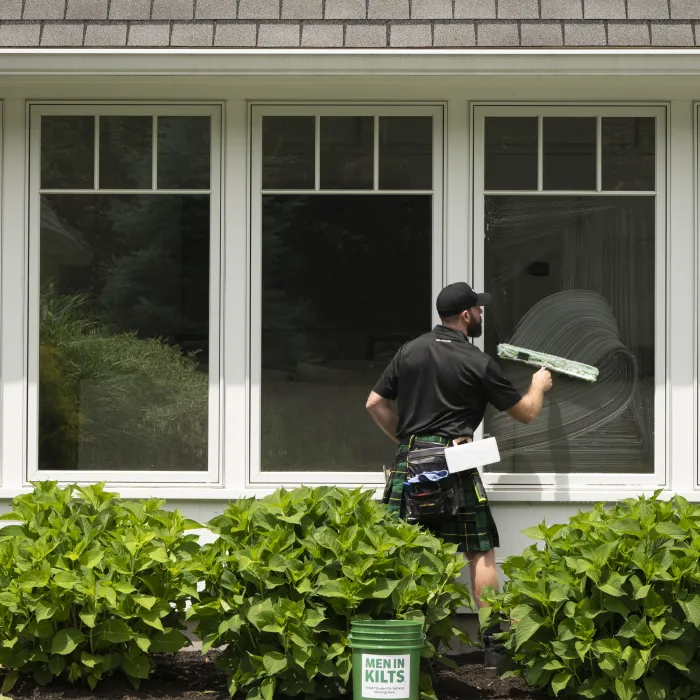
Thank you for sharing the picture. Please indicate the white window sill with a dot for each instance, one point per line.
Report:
(516, 495)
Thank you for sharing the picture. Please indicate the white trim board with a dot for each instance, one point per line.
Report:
(189, 61)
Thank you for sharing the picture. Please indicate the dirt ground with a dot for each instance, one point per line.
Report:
(189, 676)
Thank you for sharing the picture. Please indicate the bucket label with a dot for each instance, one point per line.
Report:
(385, 676)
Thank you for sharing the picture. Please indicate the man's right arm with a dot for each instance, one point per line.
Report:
(529, 407)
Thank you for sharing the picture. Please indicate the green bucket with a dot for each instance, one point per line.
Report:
(386, 659)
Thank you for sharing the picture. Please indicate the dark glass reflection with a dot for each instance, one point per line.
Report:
(569, 153)
(126, 152)
(346, 280)
(124, 332)
(68, 152)
(347, 153)
(510, 153)
(288, 153)
(629, 153)
(184, 153)
(405, 153)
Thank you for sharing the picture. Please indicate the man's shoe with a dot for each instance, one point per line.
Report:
(494, 657)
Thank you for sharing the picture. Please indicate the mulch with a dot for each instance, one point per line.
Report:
(191, 676)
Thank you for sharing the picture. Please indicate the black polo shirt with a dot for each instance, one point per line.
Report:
(442, 384)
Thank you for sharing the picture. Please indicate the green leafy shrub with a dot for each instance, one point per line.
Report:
(109, 399)
(290, 571)
(90, 584)
(610, 605)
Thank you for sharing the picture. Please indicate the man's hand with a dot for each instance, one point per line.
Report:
(529, 407)
(542, 379)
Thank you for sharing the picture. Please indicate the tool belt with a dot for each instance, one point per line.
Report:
(427, 501)
(430, 501)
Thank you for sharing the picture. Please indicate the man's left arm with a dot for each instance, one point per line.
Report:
(383, 413)
(379, 403)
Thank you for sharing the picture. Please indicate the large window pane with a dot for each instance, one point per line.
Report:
(124, 333)
(511, 153)
(569, 153)
(68, 152)
(574, 277)
(333, 314)
(629, 153)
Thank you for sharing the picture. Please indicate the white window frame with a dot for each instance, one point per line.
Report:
(437, 110)
(36, 110)
(583, 481)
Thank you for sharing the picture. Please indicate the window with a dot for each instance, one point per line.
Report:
(347, 259)
(569, 217)
(124, 293)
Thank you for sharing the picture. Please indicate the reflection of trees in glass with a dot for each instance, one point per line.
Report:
(346, 279)
(112, 400)
(284, 314)
(123, 391)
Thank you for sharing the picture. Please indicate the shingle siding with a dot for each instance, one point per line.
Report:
(349, 23)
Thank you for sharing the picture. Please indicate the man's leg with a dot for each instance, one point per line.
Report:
(483, 573)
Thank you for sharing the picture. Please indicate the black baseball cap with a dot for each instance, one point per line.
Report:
(459, 297)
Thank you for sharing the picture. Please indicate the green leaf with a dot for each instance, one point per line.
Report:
(152, 618)
(168, 642)
(613, 585)
(636, 667)
(66, 640)
(668, 529)
(42, 675)
(534, 533)
(91, 660)
(274, 662)
(655, 689)
(9, 681)
(158, 554)
(673, 655)
(37, 578)
(624, 689)
(145, 601)
(526, 627)
(56, 665)
(691, 608)
(313, 617)
(114, 631)
(560, 681)
(642, 592)
(88, 619)
(142, 642)
(66, 579)
(267, 688)
(136, 665)
(45, 611)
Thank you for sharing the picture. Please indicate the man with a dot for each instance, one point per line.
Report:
(441, 384)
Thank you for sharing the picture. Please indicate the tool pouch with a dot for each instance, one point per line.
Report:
(430, 501)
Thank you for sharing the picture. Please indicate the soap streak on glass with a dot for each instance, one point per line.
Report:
(594, 305)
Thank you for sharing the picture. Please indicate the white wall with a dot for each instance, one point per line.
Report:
(514, 509)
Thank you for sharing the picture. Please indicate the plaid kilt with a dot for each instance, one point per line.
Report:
(472, 530)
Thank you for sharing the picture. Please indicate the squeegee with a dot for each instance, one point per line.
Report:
(561, 365)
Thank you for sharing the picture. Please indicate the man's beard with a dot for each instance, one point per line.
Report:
(474, 328)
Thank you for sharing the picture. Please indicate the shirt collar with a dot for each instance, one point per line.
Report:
(449, 333)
